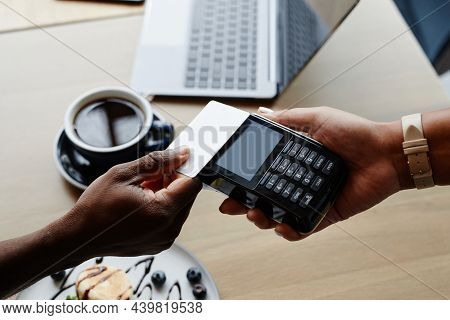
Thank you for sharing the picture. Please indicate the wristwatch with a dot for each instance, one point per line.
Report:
(415, 147)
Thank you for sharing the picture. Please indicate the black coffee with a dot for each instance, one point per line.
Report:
(109, 123)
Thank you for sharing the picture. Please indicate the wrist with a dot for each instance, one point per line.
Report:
(32, 257)
(435, 127)
(62, 241)
(392, 139)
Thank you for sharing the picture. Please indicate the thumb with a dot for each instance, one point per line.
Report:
(300, 119)
(152, 166)
(180, 193)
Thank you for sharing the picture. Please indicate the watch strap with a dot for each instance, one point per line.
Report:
(415, 147)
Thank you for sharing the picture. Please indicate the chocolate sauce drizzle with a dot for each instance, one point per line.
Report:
(62, 286)
(99, 270)
(121, 295)
(148, 266)
(138, 291)
(150, 288)
(175, 285)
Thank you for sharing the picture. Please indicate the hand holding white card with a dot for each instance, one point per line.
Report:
(207, 133)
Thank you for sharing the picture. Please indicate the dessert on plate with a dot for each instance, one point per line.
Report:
(102, 282)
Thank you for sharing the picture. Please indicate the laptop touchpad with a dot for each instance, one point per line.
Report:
(168, 23)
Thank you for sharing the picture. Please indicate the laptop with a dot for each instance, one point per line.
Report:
(230, 48)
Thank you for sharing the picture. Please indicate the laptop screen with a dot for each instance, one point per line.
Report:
(305, 25)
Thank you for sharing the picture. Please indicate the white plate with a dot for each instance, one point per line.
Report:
(175, 262)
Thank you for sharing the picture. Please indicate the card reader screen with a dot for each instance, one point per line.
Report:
(250, 150)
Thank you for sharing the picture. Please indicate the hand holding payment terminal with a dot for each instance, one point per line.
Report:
(292, 178)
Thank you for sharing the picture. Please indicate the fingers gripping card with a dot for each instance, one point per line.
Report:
(207, 133)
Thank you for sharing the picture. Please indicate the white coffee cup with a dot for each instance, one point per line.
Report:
(107, 93)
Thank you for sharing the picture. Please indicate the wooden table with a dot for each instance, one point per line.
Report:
(44, 13)
(399, 249)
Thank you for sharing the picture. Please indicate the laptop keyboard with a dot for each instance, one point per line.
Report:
(302, 41)
(223, 45)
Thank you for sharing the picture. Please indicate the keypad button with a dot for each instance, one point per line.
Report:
(284, 165)
(287, 147)
(302, 154)
(306, 200)
(229, 84)
(242, 85)
(273, 179)
(296, 196)
(287, 192)
(328, 167)
(311, 157)
(308, 178)
(319, 162)
(298, 176)
(294, 149)
(276, 163)
(189, 83)
(264, 179)
(290, 171)
(280, 185)
(318, 182)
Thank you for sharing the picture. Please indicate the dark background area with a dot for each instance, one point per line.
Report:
(430, 22)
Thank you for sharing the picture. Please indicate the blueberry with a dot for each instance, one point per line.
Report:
(158, 278)
(194, 275)
(58, 276)
(99, 260)
(199, 291)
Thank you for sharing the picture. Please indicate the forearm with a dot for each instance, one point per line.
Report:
(117, 215)
(27, 259)
(436, 126)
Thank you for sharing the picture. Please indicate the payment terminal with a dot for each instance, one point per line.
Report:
(290, 177)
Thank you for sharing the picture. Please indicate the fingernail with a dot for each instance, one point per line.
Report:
(265, 110)
(182, 151)
(278, 234)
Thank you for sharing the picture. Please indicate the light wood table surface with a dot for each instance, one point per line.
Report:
(399, 249)
(44, 13)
